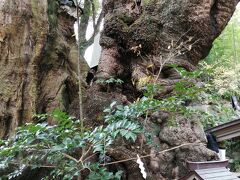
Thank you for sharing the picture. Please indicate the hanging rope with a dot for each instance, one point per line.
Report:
(157, 153)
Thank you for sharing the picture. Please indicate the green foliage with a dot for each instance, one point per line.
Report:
(55, 146)
(187, 74)
(183, 91)
(223, 60)
(203, 94)
(225, 47)
(220, 75)
(221, 78)
(111, 80)
(103, 174)
(233, 147)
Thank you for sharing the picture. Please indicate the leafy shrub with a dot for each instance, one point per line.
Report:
(223, 60)
(233, 146)
(109, 82)
(55, 146)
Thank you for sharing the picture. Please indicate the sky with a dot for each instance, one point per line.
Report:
(92, 54)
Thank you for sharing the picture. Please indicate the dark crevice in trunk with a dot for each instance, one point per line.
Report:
(213, 14)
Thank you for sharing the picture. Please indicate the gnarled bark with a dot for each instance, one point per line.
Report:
(138, 42)
(38, 60)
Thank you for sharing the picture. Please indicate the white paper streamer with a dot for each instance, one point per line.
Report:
(139, 161)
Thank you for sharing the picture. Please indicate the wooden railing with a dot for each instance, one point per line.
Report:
(226, 131)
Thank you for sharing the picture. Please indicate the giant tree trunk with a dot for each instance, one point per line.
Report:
(38, 60)
(156, 34)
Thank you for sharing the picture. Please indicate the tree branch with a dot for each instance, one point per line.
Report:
(149, 155)
(96, 29)
(84, 21)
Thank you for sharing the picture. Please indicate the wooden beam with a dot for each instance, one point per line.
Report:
(226, 131)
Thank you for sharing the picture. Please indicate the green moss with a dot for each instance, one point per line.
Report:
(53, 6)
(50, 56)
(127, 19)
(146, 1)
(35, 9)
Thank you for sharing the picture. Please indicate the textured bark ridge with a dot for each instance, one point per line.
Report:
(38, 60)
(139, 40)
(160, 25)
